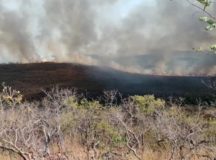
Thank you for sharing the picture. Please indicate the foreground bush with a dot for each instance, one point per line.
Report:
(64, 126)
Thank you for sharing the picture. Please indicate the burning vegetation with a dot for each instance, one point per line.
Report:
(31, 79)
(111, 80)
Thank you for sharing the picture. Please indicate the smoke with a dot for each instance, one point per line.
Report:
(16, 42)
(112, 33)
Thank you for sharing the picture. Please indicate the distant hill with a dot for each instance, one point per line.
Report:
(174, 63)
(31, 78)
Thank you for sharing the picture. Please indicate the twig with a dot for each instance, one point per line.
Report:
(200, 8)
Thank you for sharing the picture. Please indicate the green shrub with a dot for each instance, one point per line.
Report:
(10, 97)
(83, 104)
(109, 131)
(148, 104)
(89, 105)
(71, 102)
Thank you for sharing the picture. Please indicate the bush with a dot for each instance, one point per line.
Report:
(148, 104)
(137, 124)
(10, 97)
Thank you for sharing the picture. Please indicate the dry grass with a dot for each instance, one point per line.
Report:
(140, 127)
(77, 152)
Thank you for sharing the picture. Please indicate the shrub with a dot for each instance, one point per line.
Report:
(10, 97)
(137, 124)
(110, 132)
(90, 105)
(71, 101)
(148, 104)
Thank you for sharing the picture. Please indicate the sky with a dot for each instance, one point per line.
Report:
(125, 7)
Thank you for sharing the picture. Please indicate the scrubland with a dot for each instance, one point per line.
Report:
(65, 125)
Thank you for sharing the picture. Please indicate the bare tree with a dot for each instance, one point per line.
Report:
(28, 130)
(111, 97)
(186, 135)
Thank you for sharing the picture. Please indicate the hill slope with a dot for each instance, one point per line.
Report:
(31, 78)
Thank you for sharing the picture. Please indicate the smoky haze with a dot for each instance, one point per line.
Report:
(153, 39)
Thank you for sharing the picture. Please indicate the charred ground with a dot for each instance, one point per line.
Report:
(30, 79)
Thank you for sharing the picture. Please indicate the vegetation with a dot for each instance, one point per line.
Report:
(209, 18)
(67, 126)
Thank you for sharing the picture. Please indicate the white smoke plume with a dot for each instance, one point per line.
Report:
(110, 33)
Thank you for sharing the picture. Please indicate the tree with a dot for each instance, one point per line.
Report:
(28, 130)
(209, 17)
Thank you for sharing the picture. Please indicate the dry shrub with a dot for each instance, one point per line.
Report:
(65, 126)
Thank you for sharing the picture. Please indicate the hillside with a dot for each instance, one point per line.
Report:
(31, 78)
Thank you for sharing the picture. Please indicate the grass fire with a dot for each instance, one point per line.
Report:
(107, 80)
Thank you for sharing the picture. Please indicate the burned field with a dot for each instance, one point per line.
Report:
(30, 79)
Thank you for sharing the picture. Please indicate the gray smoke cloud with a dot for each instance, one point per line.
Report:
(92, 32)
(15, 41)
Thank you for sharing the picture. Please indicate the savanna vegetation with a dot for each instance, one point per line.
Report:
(67, 126)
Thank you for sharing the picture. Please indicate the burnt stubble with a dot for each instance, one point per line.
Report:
(31, 78)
